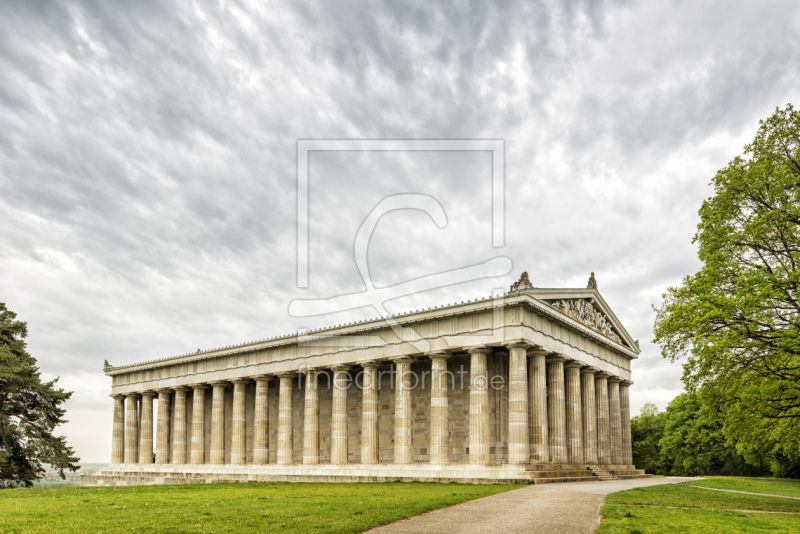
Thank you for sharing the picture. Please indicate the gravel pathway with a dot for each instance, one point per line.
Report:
(572, 507)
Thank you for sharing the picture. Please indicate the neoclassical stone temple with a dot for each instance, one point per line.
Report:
(532, 386)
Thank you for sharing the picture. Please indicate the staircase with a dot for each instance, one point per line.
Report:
(601, 474)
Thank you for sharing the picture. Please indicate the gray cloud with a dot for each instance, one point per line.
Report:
(148, 160)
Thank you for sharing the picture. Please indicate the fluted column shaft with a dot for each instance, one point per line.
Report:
(285, 419)
(146, 429)
(539, 426)
(575, 453)
(369, 414)
(198, 454)
(439, 432)
(589, 416)
(341, 381)
(261, 421)
(179, 427)
(603, 421)
(555, 410)
(478, 407)
(162, 426)
(615, 420)
(132, 429)
(118, 430)
(402, 412)
(218, 422)
(238, 454)
(311, 419)
(518, 430)
(625, 412)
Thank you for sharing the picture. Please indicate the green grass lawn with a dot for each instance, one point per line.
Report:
(251, 507)
(684, 508)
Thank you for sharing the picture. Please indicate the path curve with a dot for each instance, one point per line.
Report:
(572, 507)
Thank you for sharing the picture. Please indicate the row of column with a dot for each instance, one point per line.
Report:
(559, 412)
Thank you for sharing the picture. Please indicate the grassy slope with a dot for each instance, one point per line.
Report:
(683, 508)
(255, 507)
(772, 486)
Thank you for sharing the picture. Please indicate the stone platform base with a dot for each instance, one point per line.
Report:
(138, 474)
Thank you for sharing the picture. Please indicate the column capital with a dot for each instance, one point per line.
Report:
(148, 393)
(371, 364)
(626, 383)
(340, 367)
(479, 350)
(574, 364)
(180, 388)
(615, 380)
(438, 355)
(286, 374)
(537, 351)
(589, 370)
(117, 396)
(261, 378)
(198, 386)
(518, 345)
(602, 375)
(243, 380)
(219, 383)
(403, 359)
(163, 390)
(556, 359)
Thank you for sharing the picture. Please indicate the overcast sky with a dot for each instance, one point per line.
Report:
(148, 176)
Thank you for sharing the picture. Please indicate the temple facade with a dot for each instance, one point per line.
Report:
(530, 386)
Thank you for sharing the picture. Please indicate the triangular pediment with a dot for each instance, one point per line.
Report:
(588, 308)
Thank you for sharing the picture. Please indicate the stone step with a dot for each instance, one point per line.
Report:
(559, 473)
(556, 467)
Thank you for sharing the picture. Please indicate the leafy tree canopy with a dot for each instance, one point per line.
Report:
(29, 412)
(737, 321)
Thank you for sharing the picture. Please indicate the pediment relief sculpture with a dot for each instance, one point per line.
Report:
(583, 311)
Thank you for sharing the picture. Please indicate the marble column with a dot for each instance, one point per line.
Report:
(603, 431)
(439, 432)
(369, 414)
(575, 453)
(519, 451)
(179, 426)
(285, 454)
(162, 426)
(198, 453)
(555, 410)
(118, 430)
(311, 418)
(132, 429)
(238, 432)
(341, 382)
(625, 413)
(615, 420)
(589, 404)
(261, 421)
(478, 407)
(402, 411)
(537, 381)
(146, 429)
(218, 421)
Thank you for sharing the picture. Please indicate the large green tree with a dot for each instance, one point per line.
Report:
(29, 412)
(737, 321)
(647, 428)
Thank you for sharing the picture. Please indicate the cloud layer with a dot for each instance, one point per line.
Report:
(148, 160)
